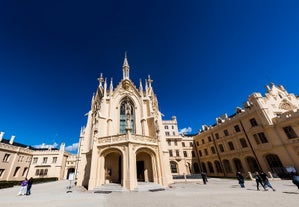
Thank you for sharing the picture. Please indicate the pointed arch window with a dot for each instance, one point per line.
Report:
(124, 106)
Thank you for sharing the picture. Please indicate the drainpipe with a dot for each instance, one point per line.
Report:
(253, 152)
(218, 155)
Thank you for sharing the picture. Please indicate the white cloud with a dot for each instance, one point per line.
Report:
(185, 130)
(72, 148)
(46, 146)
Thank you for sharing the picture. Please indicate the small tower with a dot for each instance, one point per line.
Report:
(126, 68)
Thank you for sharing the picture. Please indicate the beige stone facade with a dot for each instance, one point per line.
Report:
(19, 161)
(263, 135)
(182, 152)
(124, 140)
(15, 159)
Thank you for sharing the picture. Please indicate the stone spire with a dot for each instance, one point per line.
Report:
(126, 68)
(111, 87)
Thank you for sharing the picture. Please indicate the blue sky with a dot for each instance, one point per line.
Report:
(205, 58)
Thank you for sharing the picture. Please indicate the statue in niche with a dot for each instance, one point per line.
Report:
(128, 114)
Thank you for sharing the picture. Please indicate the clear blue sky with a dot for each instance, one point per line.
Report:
(205, 58)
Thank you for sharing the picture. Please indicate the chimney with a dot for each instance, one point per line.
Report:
(12, 139)
(1, 136)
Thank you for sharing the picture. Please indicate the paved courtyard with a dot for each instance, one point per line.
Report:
(218, 192)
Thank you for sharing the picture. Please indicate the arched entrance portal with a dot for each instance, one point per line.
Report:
(70, 174)
(144, 169)
(113, 167)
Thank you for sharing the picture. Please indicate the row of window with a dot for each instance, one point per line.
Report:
(20, 158)
(168, 133)
(16, 172)
(230, 144)
(177, 153)
(176, 143)
(45, 160)
(166, 127)
(41, 172)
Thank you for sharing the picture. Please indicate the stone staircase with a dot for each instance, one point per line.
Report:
(110, 187)
(141, 186)
(148, 186)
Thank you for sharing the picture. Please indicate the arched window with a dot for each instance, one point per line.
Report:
(204, 168)
(227, 166)
(218, 166)
(252, 164)
(276, 165)
(210, 166)
(126, 112)
(238, 165)
(173, 167)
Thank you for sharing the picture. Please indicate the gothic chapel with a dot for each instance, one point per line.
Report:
(124, 139)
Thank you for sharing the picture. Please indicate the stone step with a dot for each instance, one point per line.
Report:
(110, 187)
(148, 186)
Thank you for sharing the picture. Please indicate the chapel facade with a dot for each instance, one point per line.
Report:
(124, 140)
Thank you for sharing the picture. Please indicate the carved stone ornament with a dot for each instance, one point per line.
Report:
(126, 84)
(285, 105)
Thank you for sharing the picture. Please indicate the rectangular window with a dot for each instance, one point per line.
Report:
(209, 139)
(54, 160)
(170, 153)
(16, 171)
(177, 153)
(37, 172)
(183, 144)
(191, 144)
(202, 141)
(166, 127)
(256, 138)
(173, 133)
(169, 143)
(167, 133)
(225, 132)
(206, 152)
(193, 153)
(221, 148)
(172, 127)
(213, 150)
(200, 153)
(1, 172)
(197, 143)
(6, 157)
(253, 122)
(243, 142)
(35, 160)
(185, 153)
(237, 128)
(231, 145)
(290, 132)
(263, 137)
(45, 159)
(175, 143)
(217, 136)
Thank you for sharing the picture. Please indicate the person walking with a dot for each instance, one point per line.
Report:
(29, 185)
(266, 181)
(204, 178)
(23, 188)
(258, 181)
(240, 179)
(295, 179)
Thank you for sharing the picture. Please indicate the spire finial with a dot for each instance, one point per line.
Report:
(126, 68)
(101, 79)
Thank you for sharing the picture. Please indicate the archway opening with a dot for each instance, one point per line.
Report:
(113, 167)
(144, 169)
(70, 174)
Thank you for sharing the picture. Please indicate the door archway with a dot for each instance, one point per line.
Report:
(113, 167)
(144, 167)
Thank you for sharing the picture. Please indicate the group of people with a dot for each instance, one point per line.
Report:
(26, 187)
(260, 178)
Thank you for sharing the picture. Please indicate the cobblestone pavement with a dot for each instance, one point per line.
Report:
(217, 192)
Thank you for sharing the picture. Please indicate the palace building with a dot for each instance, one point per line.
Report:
(261, 136)
(124, 139)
